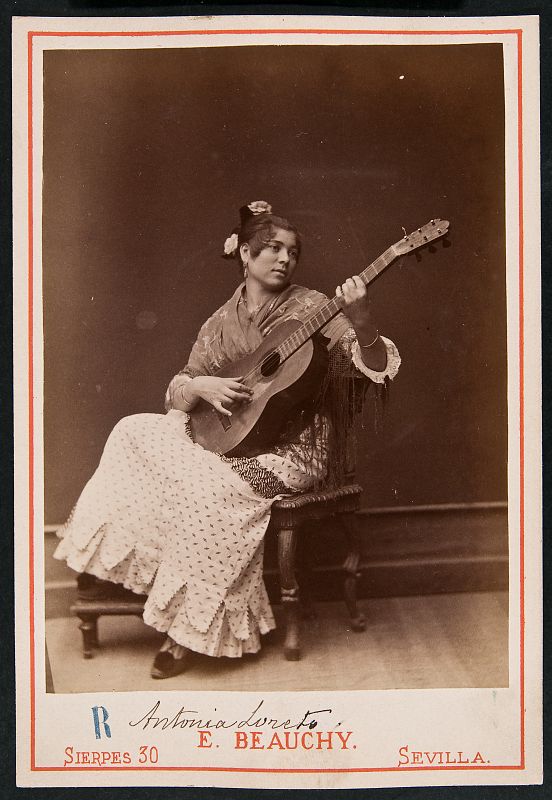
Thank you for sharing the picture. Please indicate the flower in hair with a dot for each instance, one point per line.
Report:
(231, 245)
(260, 207)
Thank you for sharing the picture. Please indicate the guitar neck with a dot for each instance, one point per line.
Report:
(330, 309)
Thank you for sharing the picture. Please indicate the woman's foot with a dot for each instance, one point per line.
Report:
(171, 660)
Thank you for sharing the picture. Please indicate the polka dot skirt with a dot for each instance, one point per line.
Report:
(166, 518)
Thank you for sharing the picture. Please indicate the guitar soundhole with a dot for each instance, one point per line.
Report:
(270, 364)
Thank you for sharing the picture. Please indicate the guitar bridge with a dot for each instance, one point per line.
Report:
(225, 421)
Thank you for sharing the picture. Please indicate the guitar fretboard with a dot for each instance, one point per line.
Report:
(330, 309)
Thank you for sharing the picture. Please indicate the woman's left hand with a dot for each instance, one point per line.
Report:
(357, 310)
(356, 306)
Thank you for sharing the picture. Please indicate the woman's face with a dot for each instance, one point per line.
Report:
(273, 268)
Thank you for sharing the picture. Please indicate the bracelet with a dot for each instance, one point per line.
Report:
(365, 346)
(181, 390)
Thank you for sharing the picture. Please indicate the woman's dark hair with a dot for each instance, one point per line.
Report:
(257, 230)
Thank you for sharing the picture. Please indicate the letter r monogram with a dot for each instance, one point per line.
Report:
(103, 721)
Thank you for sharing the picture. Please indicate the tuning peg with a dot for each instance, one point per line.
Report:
(446, 243)
(418, 256)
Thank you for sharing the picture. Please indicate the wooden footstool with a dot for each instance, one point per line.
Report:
(89, 611)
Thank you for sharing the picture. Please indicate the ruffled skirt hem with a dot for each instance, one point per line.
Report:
(219, 638)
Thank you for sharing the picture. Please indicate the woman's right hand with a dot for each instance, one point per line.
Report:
(219, 392)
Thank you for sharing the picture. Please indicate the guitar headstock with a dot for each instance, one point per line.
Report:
(435, 229)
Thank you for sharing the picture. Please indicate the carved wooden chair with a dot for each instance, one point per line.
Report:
(287, 520)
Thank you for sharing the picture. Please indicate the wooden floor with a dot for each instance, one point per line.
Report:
(431, 641)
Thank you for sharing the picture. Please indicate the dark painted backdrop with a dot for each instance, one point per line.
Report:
(149, 153)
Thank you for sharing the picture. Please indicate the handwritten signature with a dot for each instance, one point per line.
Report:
(156, 717)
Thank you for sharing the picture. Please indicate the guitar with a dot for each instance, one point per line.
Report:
(284, 372)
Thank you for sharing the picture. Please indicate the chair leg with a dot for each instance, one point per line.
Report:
(305, 576)
(287, 543)
(352, 573)
(89, 628)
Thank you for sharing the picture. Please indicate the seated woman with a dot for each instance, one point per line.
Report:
(167, 518)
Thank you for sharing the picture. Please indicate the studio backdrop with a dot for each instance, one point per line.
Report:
(148, 155)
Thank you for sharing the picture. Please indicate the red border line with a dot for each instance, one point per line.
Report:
(279, 31)
(32, 653)
(276, 769)
(521, 410)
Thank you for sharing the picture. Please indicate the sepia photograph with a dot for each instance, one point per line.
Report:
(277, 382)
(197, 201)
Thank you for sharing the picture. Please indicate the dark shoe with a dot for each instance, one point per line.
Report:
(165, 665)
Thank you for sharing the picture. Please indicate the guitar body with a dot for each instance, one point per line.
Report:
(278, 398)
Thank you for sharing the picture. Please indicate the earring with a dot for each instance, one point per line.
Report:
(245, 273)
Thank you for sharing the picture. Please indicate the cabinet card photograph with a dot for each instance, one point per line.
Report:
(277, 392)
